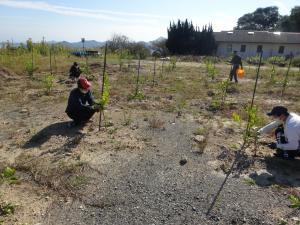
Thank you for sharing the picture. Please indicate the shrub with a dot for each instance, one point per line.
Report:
(29, 68)
(253, 120)
(211, 69)
(104, 100)
(254, 60)
(296, 61)
(277, 60)
(48, 82)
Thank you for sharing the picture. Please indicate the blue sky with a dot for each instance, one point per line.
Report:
(99, 20)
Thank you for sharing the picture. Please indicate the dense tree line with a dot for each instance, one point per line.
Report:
(269, 19)
(185, 39)
(291, 23)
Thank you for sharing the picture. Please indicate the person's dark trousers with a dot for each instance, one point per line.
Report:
(233, 73)
(74, 76)
(280, 139)
(81, 116)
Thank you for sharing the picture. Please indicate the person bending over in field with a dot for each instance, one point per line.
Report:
(81, 105)
(287, 132)
(236, 62)
(75, 71)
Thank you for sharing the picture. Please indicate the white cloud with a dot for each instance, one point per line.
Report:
(283, 8)
(141, 18)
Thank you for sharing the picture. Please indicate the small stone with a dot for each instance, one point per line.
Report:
(24, 111)
(295, 218)
(199, 138)
(210, 93)
(183, 162)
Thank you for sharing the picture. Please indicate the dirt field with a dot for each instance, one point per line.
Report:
(160, 159)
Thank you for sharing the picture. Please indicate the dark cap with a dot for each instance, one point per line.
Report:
(278, 111)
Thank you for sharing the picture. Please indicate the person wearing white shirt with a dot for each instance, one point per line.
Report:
(287, 132)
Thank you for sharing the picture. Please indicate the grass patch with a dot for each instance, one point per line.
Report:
(7, 209)
(139, 96)
(201, 131)
(61, 176)
(295, 201)
(250, 181)
(77, 181)
(9, 176)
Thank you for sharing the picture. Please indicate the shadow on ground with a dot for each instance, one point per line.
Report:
(278, 171)
(56, 129)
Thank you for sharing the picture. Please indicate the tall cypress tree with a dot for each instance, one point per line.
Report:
(184, 39)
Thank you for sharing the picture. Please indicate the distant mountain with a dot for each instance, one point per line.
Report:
(97, 44)
(158, 40)
(94, 44)
(87, 44)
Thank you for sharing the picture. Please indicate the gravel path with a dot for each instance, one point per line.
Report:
(151, 187)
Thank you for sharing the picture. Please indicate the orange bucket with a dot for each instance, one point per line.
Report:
(240, 72)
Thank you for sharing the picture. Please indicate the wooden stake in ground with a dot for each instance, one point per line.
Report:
(238, 154)
(102, 89)
(54, 58)
(286, 77)
(50, 50)
(154, 72)
(162, 67)
(138, 77)
(32, 59)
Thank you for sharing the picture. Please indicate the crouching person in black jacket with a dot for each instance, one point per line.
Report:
(81, 105)
(75, 71)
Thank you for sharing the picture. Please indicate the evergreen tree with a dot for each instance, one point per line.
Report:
(184, 39)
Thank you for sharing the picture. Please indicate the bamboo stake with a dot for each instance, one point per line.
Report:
(237, 157)
(102, 89)
(154, 73)
(286, 78)
(138, 77)
(50, 49)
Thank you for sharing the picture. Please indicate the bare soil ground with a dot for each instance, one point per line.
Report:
(159, 160)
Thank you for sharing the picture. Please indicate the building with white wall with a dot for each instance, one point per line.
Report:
(250, 43)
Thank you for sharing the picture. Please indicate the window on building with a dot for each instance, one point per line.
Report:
(229, 47)
(259, 48)
(243, 48)
(281, 50)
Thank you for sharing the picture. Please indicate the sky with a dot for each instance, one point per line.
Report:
(140, 20)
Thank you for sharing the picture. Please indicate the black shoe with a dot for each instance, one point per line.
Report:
(278, 155)
(283, 156)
